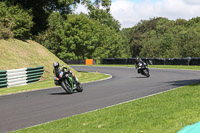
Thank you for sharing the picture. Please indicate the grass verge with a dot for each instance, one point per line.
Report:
(160, 66)
(163, 113)
(84, 77)
(175, 67)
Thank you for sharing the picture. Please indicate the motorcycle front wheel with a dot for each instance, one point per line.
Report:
(66, 86)
(146, 72)
(79, 88)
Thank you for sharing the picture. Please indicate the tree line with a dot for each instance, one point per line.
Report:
(161, 37)
(96, 34)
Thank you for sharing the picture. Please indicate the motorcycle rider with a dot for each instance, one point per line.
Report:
(58, 69)
(137, 61)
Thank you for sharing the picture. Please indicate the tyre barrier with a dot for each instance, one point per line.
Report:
(74, 61)
(154, 61)
(18, 77)
(82, 61)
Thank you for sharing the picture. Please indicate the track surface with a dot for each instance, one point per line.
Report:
(36, 107)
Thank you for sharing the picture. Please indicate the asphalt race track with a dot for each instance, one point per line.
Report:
(36, 107)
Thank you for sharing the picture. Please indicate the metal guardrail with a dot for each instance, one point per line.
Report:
(23, 76)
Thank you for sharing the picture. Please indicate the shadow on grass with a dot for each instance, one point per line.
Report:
(190, 82)
(195, 84)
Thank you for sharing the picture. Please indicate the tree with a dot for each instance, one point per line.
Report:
(125, 34)
(99, 10)
(41, 9)
(110, 44)
(16, 20)
(52, 38)
(140, 32)
(78, 37)
(81, 35)
(86, 36)
(161, 37)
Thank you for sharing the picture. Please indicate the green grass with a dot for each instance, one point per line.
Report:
(159, 66)
(84, 77)
(33, 86)
(168, 112)
(175, 67)
(89, 77)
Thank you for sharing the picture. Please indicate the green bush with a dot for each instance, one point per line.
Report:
(15, 20)
(5, 33)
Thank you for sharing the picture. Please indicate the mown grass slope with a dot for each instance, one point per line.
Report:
(15, 54)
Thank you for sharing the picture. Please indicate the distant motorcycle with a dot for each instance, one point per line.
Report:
(68, 82)
(143, 69)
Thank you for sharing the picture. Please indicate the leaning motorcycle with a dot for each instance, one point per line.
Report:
(68, 82)
(143, 69)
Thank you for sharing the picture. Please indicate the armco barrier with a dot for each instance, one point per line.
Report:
(23, 76)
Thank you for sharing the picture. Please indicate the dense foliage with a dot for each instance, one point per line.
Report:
(41, 9)
(14, 21)
(79, 37)
(96, 34)
(100, 11)
(160, 37)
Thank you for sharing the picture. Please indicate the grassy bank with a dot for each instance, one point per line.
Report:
(17, 54)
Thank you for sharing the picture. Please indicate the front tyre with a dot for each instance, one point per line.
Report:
(79, 88)
(146, 72)
(66, 86)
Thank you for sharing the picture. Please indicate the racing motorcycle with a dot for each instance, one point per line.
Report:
(68, 82)
(143, 69)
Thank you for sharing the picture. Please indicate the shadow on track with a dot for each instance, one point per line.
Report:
(59, 93)
(62, 93)
(139, 77)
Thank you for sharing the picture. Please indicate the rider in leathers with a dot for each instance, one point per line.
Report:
(58, 69)
(137, 61)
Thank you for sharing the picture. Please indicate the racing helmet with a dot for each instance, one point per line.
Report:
(56, 65)
(137, 59)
